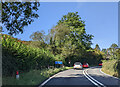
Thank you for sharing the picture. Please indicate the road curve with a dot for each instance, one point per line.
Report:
(108, 81)
(90, 77)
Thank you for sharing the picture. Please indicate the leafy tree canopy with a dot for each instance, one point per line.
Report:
(114, 46)
(112, 50)
(69, 37)
(39, 39)
(76, 26)
(17, 15)
(97, 47)
(38, 36)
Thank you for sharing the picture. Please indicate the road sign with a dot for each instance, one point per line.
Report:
(58, 62)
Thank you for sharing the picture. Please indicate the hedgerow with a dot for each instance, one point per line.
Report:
(21, 57)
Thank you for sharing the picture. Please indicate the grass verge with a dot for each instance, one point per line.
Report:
(109, 67)
(34, 77)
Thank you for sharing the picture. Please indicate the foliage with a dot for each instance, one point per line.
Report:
(93, 57)
(69, 40)
(97, 47)
(34, 77)
(112, 67)
(109, 67)
(112, 51)
(114, 46)
(38, 36)
(105, 53)
(17, 56)
(17, 15)
(118, 54)
(38, 39)
(77, 34)
(117, 65)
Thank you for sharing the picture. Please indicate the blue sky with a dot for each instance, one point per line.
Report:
(101, 20)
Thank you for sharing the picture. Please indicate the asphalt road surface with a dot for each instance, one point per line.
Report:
(89, 77)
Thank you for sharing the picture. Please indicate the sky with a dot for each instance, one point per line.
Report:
(101, 20)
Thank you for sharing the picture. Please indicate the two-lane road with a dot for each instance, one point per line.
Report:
(91, 77)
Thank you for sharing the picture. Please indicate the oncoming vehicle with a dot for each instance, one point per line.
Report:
(78, 65)
(85, 65)
(100, 64)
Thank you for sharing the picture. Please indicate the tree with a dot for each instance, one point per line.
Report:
(77, 33)
(104, 50)
(114, 46)
(118, 54)
(112, 50)
(69, 35)
(17, 15)
(97, 47)
(38, 38)
(59, 34)
(57, 37)
(105, 53)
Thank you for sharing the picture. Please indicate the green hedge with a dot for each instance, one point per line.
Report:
(17, 56)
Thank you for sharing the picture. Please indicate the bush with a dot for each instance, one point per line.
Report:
(110, 67)
(33, 77)
(17, 56)
(117, 67)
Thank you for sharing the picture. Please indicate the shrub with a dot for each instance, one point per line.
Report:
(18, 56)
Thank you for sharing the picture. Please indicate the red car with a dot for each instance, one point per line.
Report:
(85, 65)
(100, 64)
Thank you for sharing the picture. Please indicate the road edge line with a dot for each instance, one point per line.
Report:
(47, 80)
(43, 83)
(108, 74)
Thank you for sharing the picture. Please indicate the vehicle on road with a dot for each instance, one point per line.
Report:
(100, 64)
(85, 65)
(78, 65)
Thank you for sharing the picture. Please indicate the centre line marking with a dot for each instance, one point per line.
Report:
(95, 82)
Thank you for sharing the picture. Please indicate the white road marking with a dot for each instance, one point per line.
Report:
(85, 74)
(47, 80)
(44, 82)
(95, 79)
(90, 79)
(108, 74)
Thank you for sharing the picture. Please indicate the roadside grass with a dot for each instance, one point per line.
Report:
(34, 77)
(108, 67)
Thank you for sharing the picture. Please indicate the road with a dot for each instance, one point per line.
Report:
(89, 77)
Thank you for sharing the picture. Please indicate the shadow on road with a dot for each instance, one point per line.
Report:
(96, 67)
(76, 75)
(79, 80)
